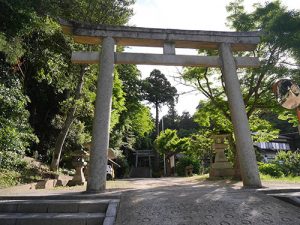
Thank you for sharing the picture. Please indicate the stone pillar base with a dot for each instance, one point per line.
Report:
(221, 169)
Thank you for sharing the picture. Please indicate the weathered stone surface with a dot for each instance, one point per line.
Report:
(153, 37)
(46, 184)
(101, 123)
(207, 205)
(159, 59)
(244, 144)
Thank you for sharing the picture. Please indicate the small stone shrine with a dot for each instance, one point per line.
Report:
(221, 167)
(79, 163)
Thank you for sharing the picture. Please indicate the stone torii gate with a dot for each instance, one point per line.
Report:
(168, 39)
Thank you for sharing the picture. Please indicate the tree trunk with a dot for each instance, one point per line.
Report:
(68, 122)
(157, 120)
(156, 154)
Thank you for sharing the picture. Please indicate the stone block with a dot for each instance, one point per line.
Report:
(31, 207)
(63, 208)
(226, 172)
(8, 207)
(46, 184)
(93, 207)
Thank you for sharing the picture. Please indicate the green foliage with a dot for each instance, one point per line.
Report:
(184, 162)
(209, 116)
(116, 12)
(118, 101)
(271, 169)
(288, 162)
(15, 132)
(263, 130)
(157, 89)
(9, 178)
(201, 146)
(277, 54)
(142, 122)
(135, 121)
(169, 143)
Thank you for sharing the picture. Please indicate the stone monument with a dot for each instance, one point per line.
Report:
(221, 167)
(79, 163)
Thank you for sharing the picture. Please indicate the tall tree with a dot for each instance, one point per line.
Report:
(158, 91)
(106, 12)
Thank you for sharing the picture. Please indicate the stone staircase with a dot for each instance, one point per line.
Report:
(58, 210)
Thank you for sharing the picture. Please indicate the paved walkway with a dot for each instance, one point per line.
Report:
(173, 201)
(186, 201)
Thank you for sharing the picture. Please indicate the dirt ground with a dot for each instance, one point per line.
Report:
(141, 183)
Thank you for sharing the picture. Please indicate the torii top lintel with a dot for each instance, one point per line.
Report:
(154, 37)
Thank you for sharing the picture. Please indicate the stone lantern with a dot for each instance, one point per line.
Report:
(78, 161)
(221, 167)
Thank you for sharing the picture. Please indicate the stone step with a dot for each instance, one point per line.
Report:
(64, 196)
(52, 218)
(54, 206)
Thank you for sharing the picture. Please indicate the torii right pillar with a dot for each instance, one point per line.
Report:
(244, 143)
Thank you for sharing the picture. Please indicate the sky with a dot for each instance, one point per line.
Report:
(188, 15)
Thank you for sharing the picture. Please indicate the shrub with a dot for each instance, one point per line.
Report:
(289, 162)
(270, 169)
(184, 162)
(12, 161)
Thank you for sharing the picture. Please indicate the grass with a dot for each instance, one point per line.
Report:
(288, 179)
(263, 177)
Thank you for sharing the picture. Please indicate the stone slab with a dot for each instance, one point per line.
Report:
(162, 59)
(51, 218)
(54, 206)
(46, 184)
(203, 205)
(221, 165)
(155, 37)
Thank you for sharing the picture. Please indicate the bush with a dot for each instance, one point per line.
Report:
(12, 161)
(184, 162)
(289, 162)
(270, 169)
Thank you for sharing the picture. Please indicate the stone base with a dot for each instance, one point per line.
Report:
(46, 184)
(75, 183)
(221, 169)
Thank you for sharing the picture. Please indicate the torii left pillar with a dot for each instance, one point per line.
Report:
(101, 124)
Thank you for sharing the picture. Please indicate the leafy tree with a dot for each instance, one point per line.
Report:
(255, 83)
(201, 146)
(35, 49)
(136, 121)
(169, 143)
(277, 51)
(158, 91)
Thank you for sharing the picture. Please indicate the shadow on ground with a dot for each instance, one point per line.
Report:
(168, 201)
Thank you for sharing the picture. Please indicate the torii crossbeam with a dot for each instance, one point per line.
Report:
(169, 40)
